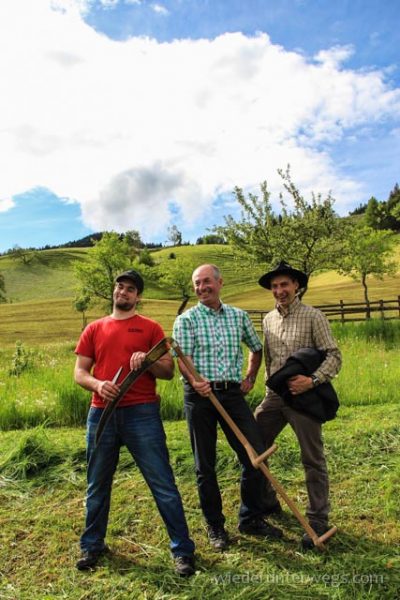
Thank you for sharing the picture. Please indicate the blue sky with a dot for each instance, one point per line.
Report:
(136, 114)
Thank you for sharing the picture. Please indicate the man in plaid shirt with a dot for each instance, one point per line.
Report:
(291, 326)
(211, 335)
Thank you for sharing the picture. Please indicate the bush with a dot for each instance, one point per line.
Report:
(22, 359)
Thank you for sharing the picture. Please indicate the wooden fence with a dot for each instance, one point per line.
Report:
(344, 312)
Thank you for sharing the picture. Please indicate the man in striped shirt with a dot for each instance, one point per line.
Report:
(290, 326)
(211, 335)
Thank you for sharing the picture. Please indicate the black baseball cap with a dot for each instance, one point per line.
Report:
(135, 277)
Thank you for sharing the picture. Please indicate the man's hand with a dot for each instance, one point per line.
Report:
(299, 384)
(107, 390)
(203, 388)
(136, 360)
(246, 385)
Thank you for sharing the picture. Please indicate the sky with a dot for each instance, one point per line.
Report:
(140, 114)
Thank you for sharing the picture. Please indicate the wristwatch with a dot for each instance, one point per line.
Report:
(250, 378)
(315, 380)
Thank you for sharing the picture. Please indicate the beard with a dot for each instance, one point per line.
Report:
(124, 305)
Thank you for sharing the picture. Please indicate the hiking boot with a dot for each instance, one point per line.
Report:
(217, 536)
(259, 527)
(275, 510)
(184, 565)
(88, 560)
(306, 541)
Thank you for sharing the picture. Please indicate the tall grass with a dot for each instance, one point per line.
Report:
(46, 392)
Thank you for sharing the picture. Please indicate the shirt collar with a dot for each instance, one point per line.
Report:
(291, 308)
(210, 311)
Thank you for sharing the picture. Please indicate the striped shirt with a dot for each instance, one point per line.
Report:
(213, 339)
(301, 327)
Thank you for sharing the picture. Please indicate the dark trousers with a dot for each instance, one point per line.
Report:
(272, 415)
(202, 418)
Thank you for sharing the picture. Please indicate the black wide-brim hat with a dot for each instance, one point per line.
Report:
(283, 268)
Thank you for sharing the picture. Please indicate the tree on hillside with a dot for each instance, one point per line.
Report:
(367, 252)
(308, 235)
(211, 238)
(81, 304)
(177, 274)
(106, 260)
(384, 215)
(135, 243)
(145, 258)
(2, 289)
(393, 208)
(174, 235)
(251, 236)
(25, 255)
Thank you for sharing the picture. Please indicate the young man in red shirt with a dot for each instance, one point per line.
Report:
(123, 339)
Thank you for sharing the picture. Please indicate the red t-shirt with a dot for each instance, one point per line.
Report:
(110, 343)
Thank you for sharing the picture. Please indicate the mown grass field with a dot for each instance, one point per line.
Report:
(42, 469)
(42, 487)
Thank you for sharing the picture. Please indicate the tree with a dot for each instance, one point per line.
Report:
(251, 237)
(393, 208)
(211, 238)
(25, 255)
(367, 252)
(174, 236)
(81, 304)
(145, 258)
(178, 275)
(384, 215)
(106, 260)
(308, 236)
(2, 289)
(134, 242)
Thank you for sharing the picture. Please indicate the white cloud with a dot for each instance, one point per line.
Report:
(128, 128)
(160, 9)
(6, 204)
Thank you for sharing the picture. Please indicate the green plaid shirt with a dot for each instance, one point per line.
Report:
(213, 339)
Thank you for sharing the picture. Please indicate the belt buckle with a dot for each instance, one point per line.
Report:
(220, 386)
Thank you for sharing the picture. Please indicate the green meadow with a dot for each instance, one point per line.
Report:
(42, 458)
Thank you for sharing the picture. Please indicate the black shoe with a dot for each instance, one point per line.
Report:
(88, 560)
(184, 565)
(306, 541)
(218, 537)
(259, 527)
(274, 510)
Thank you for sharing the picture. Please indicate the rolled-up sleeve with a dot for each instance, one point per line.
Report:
(183, 334)
(324, 340)
(250, 337)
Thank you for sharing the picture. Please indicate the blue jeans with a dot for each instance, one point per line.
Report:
(140, 428)
(202, 418)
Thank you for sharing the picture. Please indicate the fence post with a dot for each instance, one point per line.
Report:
(381, 305)
(342, 311)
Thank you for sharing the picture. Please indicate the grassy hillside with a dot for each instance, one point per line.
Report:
(41, 294)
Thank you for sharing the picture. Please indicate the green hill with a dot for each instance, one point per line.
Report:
(40, 294)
